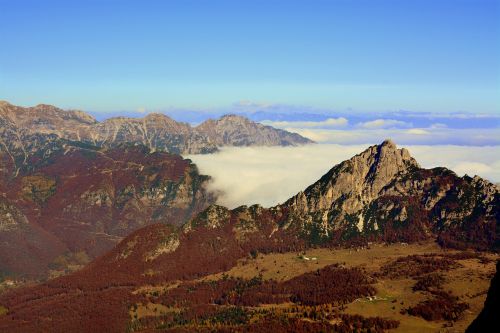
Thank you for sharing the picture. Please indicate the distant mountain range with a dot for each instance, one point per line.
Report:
(379, 195)
(156, 131)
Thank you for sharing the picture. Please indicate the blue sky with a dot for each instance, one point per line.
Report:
(374, 55)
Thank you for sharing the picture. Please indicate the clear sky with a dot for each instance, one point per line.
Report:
(428, 55)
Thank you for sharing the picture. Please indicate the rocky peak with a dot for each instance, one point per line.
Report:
(42, 107)
(240, 131)
(383, 189)
(82, 116)
(234, 118)
(384, 162)
(213, 217)
(158, 116)
(4, 103)
(227, 121)
(352, 184)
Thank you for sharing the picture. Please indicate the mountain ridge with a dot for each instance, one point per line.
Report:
(60, 198)
(155, 130)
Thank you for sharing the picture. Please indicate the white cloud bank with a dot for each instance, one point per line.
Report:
(411, 136)
(328, 123)
(384, 123)
(271, 175)
(341, 132)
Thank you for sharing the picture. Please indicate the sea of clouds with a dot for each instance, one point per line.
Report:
(342, 131)
(271, 175)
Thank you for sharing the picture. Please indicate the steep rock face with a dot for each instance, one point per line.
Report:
(353, 184)
(232, 130)
(383, 192)
(88, 198)
(156, 131)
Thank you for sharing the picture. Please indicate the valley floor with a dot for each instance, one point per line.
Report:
(409, 282)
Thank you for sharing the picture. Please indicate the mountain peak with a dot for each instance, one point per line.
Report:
(4, 103)
(45, 106)
(390, 156)
(153, 115)
(354, 183)
(388, 142)
(241, 131)
(384, 183)
(232, 116)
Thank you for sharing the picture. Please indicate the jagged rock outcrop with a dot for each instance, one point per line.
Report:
(156, 131)
(351, 185)
(383, 192)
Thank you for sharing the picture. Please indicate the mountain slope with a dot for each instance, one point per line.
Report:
(60, 198)
(156, 131)
(380, 195)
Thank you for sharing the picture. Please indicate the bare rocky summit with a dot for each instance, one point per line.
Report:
(156, 131)
(353, 184)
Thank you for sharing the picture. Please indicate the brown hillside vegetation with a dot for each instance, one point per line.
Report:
(329, 292)
(355, 251)
(82, 200)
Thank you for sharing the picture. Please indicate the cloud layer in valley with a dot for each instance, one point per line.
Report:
(270, 175)
(432, 135)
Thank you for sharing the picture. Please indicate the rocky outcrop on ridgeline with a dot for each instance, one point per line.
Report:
(156, 131)
(351, 185)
